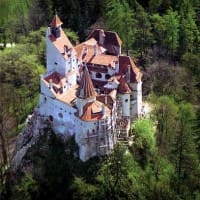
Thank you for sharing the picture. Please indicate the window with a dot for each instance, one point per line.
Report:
(55, 63)
(98, 75)
(50, 117)
(126, 100)
(60, 115)
(107, 76)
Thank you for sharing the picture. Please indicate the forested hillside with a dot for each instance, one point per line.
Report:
(163, 162)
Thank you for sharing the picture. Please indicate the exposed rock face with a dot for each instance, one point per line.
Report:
(31, 134)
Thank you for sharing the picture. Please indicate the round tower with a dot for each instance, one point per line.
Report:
(124, 92)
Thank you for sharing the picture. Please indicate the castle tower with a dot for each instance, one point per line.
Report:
(124, 95)
(61, 55)
(86, 92)
(56, 26)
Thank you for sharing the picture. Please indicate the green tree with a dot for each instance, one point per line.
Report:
(144, 141)
(159, 173)
(26, 188)
(184, 153)
(165, 113)
(171, 40)
(158, 29)
(119, 18)
(189, 32)
(85, 191)
(120, 177)
(143, 35)
(40, 13)
(176, 82)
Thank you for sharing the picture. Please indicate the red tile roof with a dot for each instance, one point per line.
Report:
(110, 37)
(106, 60)
(93, 111)
(55, 77)
(63, 44)
(106, 99)
(69, 96)
(86, 88)
(56, 21)
(58, 81)
(85, 52)
(124, 88)
(124, 63)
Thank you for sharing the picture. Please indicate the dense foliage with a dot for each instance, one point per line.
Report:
(163, 162)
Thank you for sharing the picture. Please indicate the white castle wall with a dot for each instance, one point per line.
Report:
(136, 100)
(111, 72)
(62, 113)
(89, 143)
(125, 99)
(56, 61)
(72, 79)
(44, 89)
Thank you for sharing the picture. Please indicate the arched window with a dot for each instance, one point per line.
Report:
(98, 75)
(107, 76)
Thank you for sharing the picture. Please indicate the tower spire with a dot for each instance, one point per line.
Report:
(56, 26)
(86, 88)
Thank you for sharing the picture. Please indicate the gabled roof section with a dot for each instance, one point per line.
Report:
(63, 44)
(55, 78)
(124, 88)
(93, 111)
(86, 89)
(56, 22)
(90, 52)
(124, 63)
(110, 37)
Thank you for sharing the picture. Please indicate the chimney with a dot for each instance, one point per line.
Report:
(95, 50)
(85, 51)
(80, 111)
(128, 73)
(101, 37)
(106, 100)
(65, 49)
(103, 110)
(116, 66)
(50, 84)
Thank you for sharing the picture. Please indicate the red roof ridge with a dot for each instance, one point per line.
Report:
(124, 88)
(93, 33)
(56, 21)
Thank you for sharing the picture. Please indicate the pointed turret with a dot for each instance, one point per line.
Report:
(56, 26)
(56, 22)
(86, 88)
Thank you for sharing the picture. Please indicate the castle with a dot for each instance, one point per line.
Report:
(90, 91)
